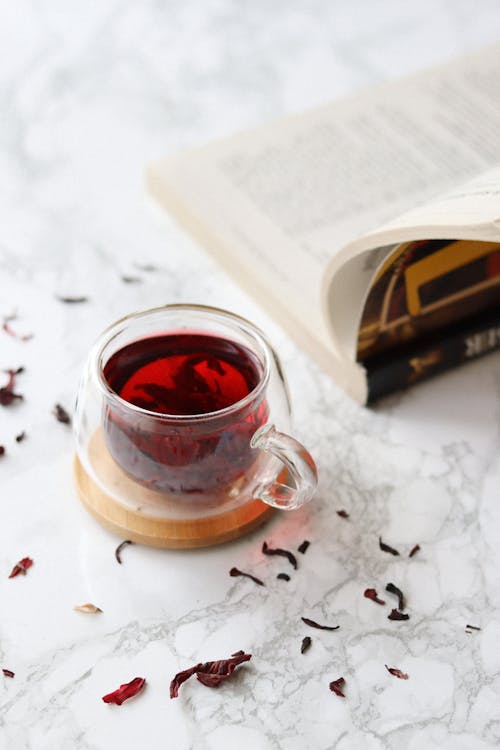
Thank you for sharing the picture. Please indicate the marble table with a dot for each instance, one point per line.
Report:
(90, 92)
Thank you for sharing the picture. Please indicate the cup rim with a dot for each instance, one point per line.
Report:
(113, 330)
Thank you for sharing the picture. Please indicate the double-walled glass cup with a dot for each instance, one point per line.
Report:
(188, 479)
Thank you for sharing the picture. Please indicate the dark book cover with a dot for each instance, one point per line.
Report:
(432, 305)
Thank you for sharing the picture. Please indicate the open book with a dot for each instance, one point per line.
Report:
(369, 227)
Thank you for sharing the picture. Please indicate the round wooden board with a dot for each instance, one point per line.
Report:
(173, 533)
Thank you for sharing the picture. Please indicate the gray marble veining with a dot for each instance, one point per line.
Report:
(90, 93)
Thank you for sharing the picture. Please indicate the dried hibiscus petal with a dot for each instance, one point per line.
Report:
(414, 550)
(336, 686)
(281, 552)
(306, 643)
(2, 450)
(385, 547)
(234, 572)
(125, 691)
(372, 594)
(7, 395)
(88, 609)
(119, 549)
(72, 300)
(20, 437)
(8, 672)
(61, 414)
(302, 548)
(211, 673)
(10, 331)
(397, 673)
(21, 567)
(397, 615)
(313, 624)
(392, 589)
(469, 628)
(283, 576)
(343, 513)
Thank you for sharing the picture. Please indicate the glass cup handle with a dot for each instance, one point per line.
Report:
(299, 464)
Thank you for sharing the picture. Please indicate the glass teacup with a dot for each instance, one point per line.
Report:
(183, 414)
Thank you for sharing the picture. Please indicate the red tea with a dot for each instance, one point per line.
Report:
(191, 375)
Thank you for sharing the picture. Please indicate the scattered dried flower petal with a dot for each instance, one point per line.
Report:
(9, 330)
(21, 567)
(385, 547)
(314, 624)
(343, 513)
(306, 643)
(372, 594)
(211, 673)
(283, 576)
(2, 450)
(119, 549)
(303, 546)
(8, 672)
(281, 552)
(397, 615)
(72, 300)
(7, 395)
(336, 686)
(397, 673)
(468, 628)
(88, 609)
(235, 572)
(20, 437)
(392, 589)
(61, 414)
(125, 691)
(414, 550)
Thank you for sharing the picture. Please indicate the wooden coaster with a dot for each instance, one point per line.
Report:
(156, 519)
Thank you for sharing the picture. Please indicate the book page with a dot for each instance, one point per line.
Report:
(277, 203)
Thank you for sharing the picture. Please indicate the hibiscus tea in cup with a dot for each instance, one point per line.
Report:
(189, 404)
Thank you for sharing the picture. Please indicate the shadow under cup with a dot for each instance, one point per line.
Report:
(188, 453)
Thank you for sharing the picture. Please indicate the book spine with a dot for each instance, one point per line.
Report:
(392, 371)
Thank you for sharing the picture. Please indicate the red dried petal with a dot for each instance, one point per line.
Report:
(343, 513)
(397, 615)
(181, 677)
(61, 414)
(397, 672)
(372, 594)
(8, 329)
(211, 673)
(392, 589)
(336, 686)
(414, 550)
(313, 624)
(306, 643)
(281, 552)
(7, 395)
(234, 572)
(125, 691)
(8, 672)
(386, 548)
(21, 567)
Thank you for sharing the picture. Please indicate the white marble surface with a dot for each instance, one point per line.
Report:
(89, 93)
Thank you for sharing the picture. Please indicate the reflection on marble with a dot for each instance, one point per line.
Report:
(90, 93)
